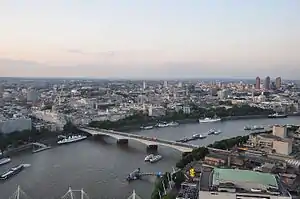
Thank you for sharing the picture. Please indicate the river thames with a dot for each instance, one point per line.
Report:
(100, 167)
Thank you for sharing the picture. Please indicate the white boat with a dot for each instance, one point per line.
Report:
(161, 125)
(147, 127)
(208, 120)
(217, 132)
(4, 161)
(149, 157)
(211, 131)
(173, 124)
(70, 139)
(156, 158)
(196, 136)
(202, 136)
(258, 128)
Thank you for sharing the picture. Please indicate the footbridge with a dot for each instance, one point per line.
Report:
(149, 141)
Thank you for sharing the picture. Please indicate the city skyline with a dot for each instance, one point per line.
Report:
(154, 39)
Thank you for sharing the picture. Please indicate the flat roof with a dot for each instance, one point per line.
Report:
(235, 176)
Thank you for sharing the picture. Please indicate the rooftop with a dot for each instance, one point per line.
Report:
(236, 176)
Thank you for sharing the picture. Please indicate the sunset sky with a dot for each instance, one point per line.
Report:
(150, 38)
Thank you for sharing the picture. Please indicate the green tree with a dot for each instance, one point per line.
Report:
(3, 142)
(178, 178)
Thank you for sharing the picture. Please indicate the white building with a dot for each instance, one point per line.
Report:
(223, 94)
(15, 124)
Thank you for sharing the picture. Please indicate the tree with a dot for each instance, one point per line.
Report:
(178, 178)
(3, 143)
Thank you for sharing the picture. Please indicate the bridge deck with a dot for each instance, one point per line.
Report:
(183, 147)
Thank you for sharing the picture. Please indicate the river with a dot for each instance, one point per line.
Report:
(100, 167)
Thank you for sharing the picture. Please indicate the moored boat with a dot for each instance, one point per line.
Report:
(209, 120)
(202, 136)
(4, 161)
(146, 127)
(277, 115)
(258, 128)
(173, 124)
(70, 139)
(13, 171)
(149, 157)
(156, 158)
(161, 125)
(217, 132)
(247, 128)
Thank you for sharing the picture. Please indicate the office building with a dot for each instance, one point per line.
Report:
(257, 83)
(223, 94)
(32, 95)
(280, 131)
(278, 82)
(9, 125)
(267, 83)
(240, 184)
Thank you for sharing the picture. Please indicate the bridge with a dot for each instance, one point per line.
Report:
(149, 141)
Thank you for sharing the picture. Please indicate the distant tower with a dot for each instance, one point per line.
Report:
(267, 83)
(144, 85)
(166, 84)
(257, 83)
(278, 82)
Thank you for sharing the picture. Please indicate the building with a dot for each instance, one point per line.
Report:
(156, 111)
(278, 82)
(280, 131)
(32, 96)
(186, 109)
(223, 94)
(257, 83)
(240, 184)
(276, 142)
(215, 160)
(144, 85)
(15, 124)
(283, 146)
(267, 83)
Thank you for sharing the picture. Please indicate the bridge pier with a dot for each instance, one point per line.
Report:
(122, 141)
(152, 148)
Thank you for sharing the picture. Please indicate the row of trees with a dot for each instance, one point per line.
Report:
(140, 118)
(162, 183)
(200, 153)
(230, 142)
(19, 138)
(195, 155)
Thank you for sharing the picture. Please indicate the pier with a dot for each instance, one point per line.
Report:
(137, 174)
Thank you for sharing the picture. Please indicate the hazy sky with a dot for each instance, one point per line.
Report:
(146, 38)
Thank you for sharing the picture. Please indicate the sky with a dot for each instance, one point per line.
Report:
(156, 38)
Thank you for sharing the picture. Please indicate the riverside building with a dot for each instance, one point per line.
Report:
(240, 184)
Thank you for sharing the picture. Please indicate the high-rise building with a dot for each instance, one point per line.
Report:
(278, 82)
(267, 83)
(257, 83)
(144, 85)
